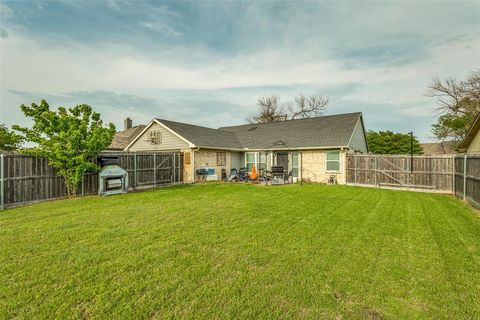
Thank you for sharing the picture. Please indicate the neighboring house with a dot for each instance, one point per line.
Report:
(438, 148)
(123, 138)
(471, 143)
(311, 149)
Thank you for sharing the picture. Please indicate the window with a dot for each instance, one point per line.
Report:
(221, 158)
(295, 165)
(250, 160)
(333, 160)
(258, 159)
(262, 162)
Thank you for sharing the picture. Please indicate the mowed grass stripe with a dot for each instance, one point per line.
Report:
(242, 251)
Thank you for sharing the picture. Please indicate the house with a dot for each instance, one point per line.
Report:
(311, 149)
(438, 148)
(471, 143)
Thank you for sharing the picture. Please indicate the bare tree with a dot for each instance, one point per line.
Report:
(458, 105)
(307, 107)
(454, 96)
(269, 110)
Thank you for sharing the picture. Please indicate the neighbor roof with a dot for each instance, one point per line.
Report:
(472, 132)
(444, 147)
(123, 138)
(318, 132)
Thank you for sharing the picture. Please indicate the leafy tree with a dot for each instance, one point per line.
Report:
(68, 138)
(388, 142)
(9, 140)
(270, 109)
(452, 126)
(458, 103)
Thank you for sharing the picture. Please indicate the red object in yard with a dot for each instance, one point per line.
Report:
(253, 174)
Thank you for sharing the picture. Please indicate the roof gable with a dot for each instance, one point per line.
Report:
(472, 132)
(203, 137)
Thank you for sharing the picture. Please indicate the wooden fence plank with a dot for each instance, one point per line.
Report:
(428, 172)
(30, 179)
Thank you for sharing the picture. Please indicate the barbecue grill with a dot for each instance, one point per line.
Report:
(112, 178)
(278, 175)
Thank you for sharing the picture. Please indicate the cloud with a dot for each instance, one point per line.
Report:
(161, 28)
(207, 63)
(103, 98)
(5, 11)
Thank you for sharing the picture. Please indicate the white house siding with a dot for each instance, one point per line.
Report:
(237, 160)
(169, 141)
(208, 158)
(358, 141)
(314, 167)
(474, 146)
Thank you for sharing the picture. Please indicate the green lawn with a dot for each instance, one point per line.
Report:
(243, 251)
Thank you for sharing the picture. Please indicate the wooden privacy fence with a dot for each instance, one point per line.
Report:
(467, 178)
(458, 175)
(433, 173)
(25, 179)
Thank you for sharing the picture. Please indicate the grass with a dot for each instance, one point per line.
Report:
(243, 251)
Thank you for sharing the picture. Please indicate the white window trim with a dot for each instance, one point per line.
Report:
(298, 163)
(256, 161)
(339, 161)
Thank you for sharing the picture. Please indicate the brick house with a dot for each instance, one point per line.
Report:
(311, 149)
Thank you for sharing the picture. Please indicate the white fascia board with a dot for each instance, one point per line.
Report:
(190, 145)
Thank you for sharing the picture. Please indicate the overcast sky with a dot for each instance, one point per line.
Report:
(207, 62)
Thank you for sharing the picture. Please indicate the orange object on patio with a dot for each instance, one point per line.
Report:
(253, 174)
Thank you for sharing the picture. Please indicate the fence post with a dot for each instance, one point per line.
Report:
(135, 170)
(453, 176)
(355, 158)
(174, 165)
(83, 184)
(375, 171)
(2, 182)
(154, 170)
(409, 166)
(465, 177)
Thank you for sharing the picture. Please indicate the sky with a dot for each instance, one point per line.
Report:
(206, 62)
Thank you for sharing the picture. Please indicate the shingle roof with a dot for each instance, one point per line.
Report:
(204, 137)
(444, 147)
(318, 132)
(123, 138)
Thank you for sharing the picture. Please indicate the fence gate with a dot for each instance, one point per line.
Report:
(421, 172)
(25, 179)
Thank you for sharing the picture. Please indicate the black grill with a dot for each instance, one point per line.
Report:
(108, 161)
(277, 169)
